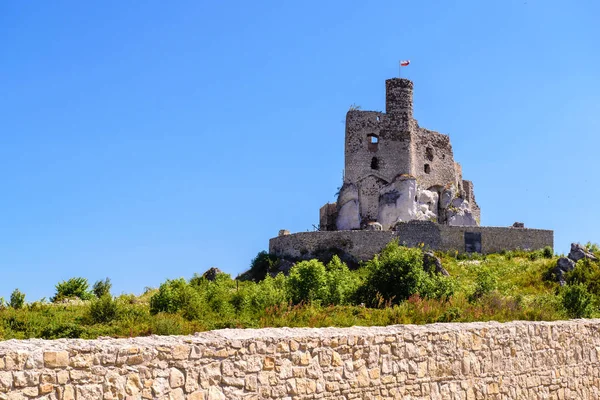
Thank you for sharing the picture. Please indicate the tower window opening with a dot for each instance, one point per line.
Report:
(429, 153)
(375, 163)
(427, 168)
(372, 142)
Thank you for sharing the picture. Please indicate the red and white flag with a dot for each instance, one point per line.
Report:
(404, 63)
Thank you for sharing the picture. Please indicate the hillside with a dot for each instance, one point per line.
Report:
(393, 288)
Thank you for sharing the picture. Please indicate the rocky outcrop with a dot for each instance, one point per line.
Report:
(567, 264)
(433, 264)
(563, 265)
(579, 252)
(348, 217)
(459, 213)
(403, 200)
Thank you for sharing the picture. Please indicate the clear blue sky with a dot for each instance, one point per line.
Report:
(145, 141)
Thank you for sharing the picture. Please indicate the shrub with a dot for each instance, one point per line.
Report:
(101, 288)
(548, 252)
(176, 296)
(267, 293)
(485, 282)
(586, 272)
(396, 274)
(260, 267)
(104, 309)
(17, 299)
(340, 281)
(72, 288)
(307, 282)
(577, 301)
(437, 286)
(68, 330)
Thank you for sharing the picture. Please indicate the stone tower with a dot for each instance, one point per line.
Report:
(396, 171)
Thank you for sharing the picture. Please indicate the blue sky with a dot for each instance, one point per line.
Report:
(145, 141)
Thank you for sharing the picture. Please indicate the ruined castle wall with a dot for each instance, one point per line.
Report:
(391, 150)
(363, 245)
(360, 245)
(433, 160)
(495, 239)
(516, 360)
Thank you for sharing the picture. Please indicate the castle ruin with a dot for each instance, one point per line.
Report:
(401, 183)
(396, 171)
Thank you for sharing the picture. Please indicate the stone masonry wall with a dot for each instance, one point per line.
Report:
(517, 360)
(362, 245)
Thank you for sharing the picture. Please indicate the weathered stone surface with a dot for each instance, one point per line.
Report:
(373, 226)
(397, 202)
(529, 360)
(348, 217)
(565, 264)
(56, 359)
(432, 263)
(579, 252)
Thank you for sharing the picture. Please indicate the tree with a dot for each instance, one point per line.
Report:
(101, 288)
(17, 299)
(307, 282)
(72, 288)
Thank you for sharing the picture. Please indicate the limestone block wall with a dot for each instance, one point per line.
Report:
(517, 360)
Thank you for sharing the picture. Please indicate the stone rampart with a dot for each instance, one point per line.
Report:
(361, 245)
(517, 360)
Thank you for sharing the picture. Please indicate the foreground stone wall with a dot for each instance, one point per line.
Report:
(517, 360)
(362, 245)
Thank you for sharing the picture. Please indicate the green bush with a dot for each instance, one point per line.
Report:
(585, 272)
(68, 330)
(485, 282)
(17, 299)
(340, 281)
(395, 275)
(307, 282)
(256, 297)
(263, 264)
(72, 288)
(577, 301)
(548, 252)
(437, 286)
(101, 288)
(175, 296)
(103, 309)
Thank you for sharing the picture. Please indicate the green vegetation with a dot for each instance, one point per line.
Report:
(392, 288)
(74, 288)
(17, 299)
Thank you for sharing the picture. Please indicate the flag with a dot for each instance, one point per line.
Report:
(404, 63)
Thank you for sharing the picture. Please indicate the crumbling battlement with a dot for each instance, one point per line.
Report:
(515, 360)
